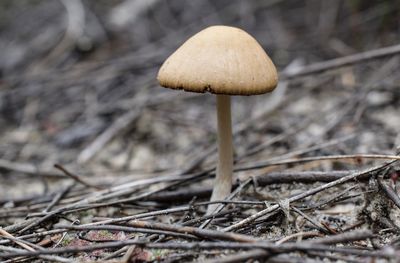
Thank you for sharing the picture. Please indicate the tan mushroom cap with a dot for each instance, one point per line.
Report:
(220, 60)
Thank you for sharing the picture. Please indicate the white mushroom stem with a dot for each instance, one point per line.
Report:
(223, 181)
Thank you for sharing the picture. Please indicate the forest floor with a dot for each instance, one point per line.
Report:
(98, 163)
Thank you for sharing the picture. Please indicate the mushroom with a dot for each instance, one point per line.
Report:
(225, 61)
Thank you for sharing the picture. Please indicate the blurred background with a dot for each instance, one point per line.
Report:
(78, 86)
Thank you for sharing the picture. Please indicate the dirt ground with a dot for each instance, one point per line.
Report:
(100, 163)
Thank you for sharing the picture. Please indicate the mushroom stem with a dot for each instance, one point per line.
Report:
(223, 181)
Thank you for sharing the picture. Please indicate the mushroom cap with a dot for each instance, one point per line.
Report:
(220, 60)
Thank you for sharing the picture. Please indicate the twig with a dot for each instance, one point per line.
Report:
(390, 193)
(58, 197)
(26, 168)
(200, 219)
(333, 198)
(336, 258)
(312, 221)
(129, 230)
(341, 62)
(20, 243)
(343, 237)
(20, 225)
(290, 132)
(36, 222)
(299, 234)
(118, 126)
(300, 177)
(126, 258)
(241, 257)
(128, 12)
(262, 164)
(318, 146)
(75, 177)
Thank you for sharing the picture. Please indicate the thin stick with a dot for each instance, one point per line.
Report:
(312, 221)
(58, 197)
(299, 234)
(26, 168)
(262, 164)
(213, 215)
(127, 229)
(341, 62)
(390, 193)
(116, 128)
(21, 244)
(75, 177)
